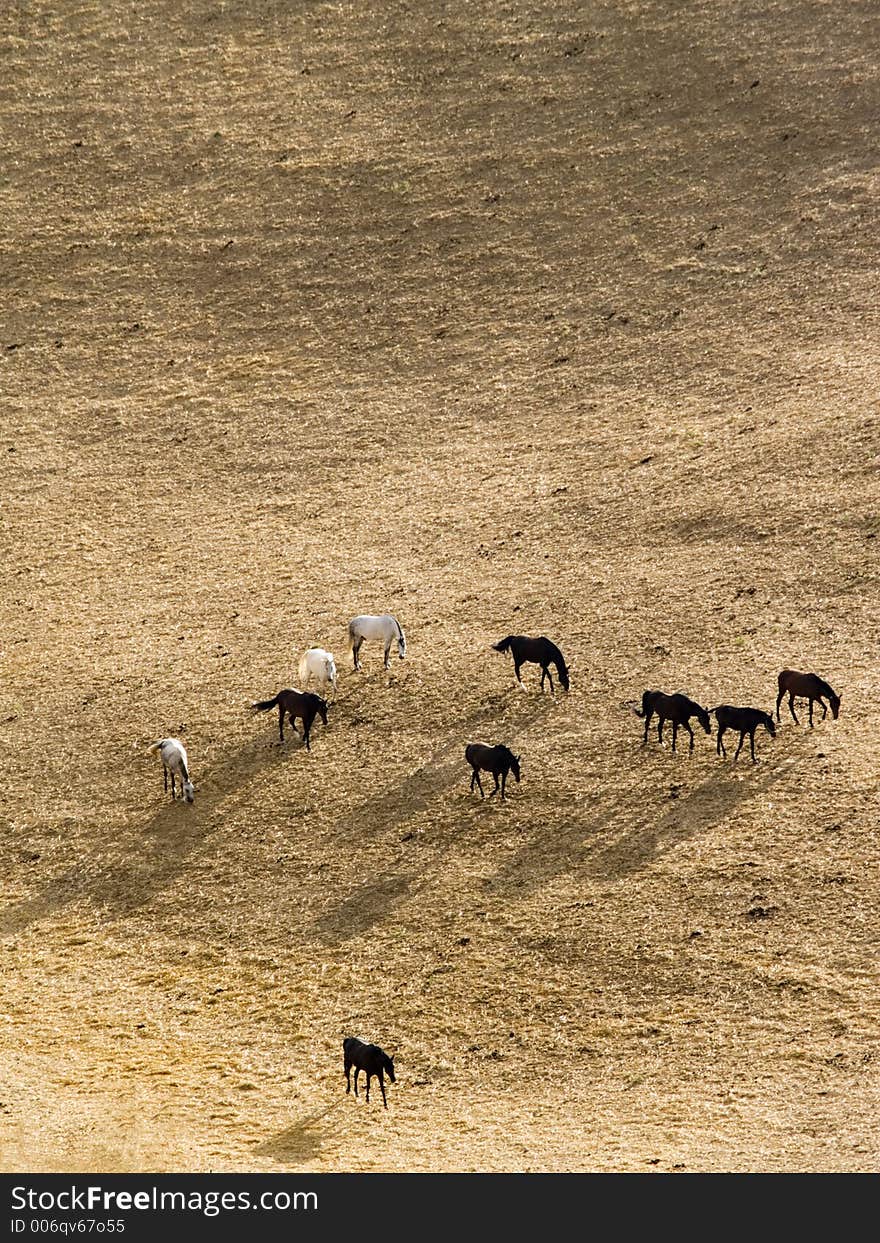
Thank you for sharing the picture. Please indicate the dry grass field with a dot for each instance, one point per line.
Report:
(533, 317)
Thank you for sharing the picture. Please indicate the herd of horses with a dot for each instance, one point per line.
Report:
(318, 666)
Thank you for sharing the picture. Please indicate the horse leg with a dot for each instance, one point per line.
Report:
(355, 649)
(742, 739)
(495, 791)
(778, 702)
(479, 783)
(347, 1078)
(306, 733)
(720, 748)
(674, 734)
(473, 779)
(381, 1079)
(691, 732)
(543, 676)
(387, 650)
(824, 709)
(369, 1077)
(165, 775)
(810, 702)
(660, 729)
(791, 706)
(357, 1071)
(281, 724)
(516, 669)
(752, 745)
(647, 723)
(503, 783)
(550, 676)
(173, 788)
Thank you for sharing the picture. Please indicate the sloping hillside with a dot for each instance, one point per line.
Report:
(521, 317)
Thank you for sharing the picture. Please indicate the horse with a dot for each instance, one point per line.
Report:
(317, 665)
(369, 626)
(526, 651)
(368, 1058)
(675, 708)
(498, 760)
(293, 703)
(174, 761)
(746, 720)
(808, 686)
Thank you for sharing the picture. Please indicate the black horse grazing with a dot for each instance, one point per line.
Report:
(808, 686)
(746, 720)
(302, 704)
(368, 1058)
(499, 761)
(541, 652)
(675, 708)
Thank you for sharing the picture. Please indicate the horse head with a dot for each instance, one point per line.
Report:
(389, 1066)
(322, 708)
(514, 765)
(401, 649)
(703, 718)
(189, 791)
(767, 722)
(834, 700)
(563, 676)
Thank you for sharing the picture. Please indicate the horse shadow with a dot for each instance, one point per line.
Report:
(127, 874)
(402, 801)
(298, 1143)
(572, 846)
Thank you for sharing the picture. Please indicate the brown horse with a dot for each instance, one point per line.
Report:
(675, 708)
(808, 686)
(302, 704)
(368, 1058)
(746, 720)
(499, 761)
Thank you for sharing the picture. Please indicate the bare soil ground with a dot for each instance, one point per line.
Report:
(530, 317)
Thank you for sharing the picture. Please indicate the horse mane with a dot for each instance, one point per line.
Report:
(827, 690)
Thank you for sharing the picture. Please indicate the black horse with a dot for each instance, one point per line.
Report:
(746, 720)
(809, 686)
(368, 1058)
(499, 761)
(302, 704)
(526, 651)
(675, 708)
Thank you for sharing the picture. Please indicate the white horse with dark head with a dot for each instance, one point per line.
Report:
(317, 665)
(384, 627)
(174, 761)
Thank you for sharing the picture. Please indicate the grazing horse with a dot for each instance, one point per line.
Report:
(368, 1058)
(368, 626)
(746, 720)
(808, 686)
(174, 761)
(292, 703)
(499, 761)
(526, 651)
(317, 665)
(675, 708)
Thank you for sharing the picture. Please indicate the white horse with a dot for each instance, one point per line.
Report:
(317, 665)
(174, 761)
(384, 627)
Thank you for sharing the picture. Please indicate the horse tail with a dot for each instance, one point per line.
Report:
(351, 635)
(302, 669)
(503, 646)
(156, 747)
(263, 705)
(644, 711)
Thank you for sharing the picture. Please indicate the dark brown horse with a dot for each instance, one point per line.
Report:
(301, 704)
(675, 708)
(809, 686)
(499, 761)
(526, 651)
(746, 720)
(368, 1058)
